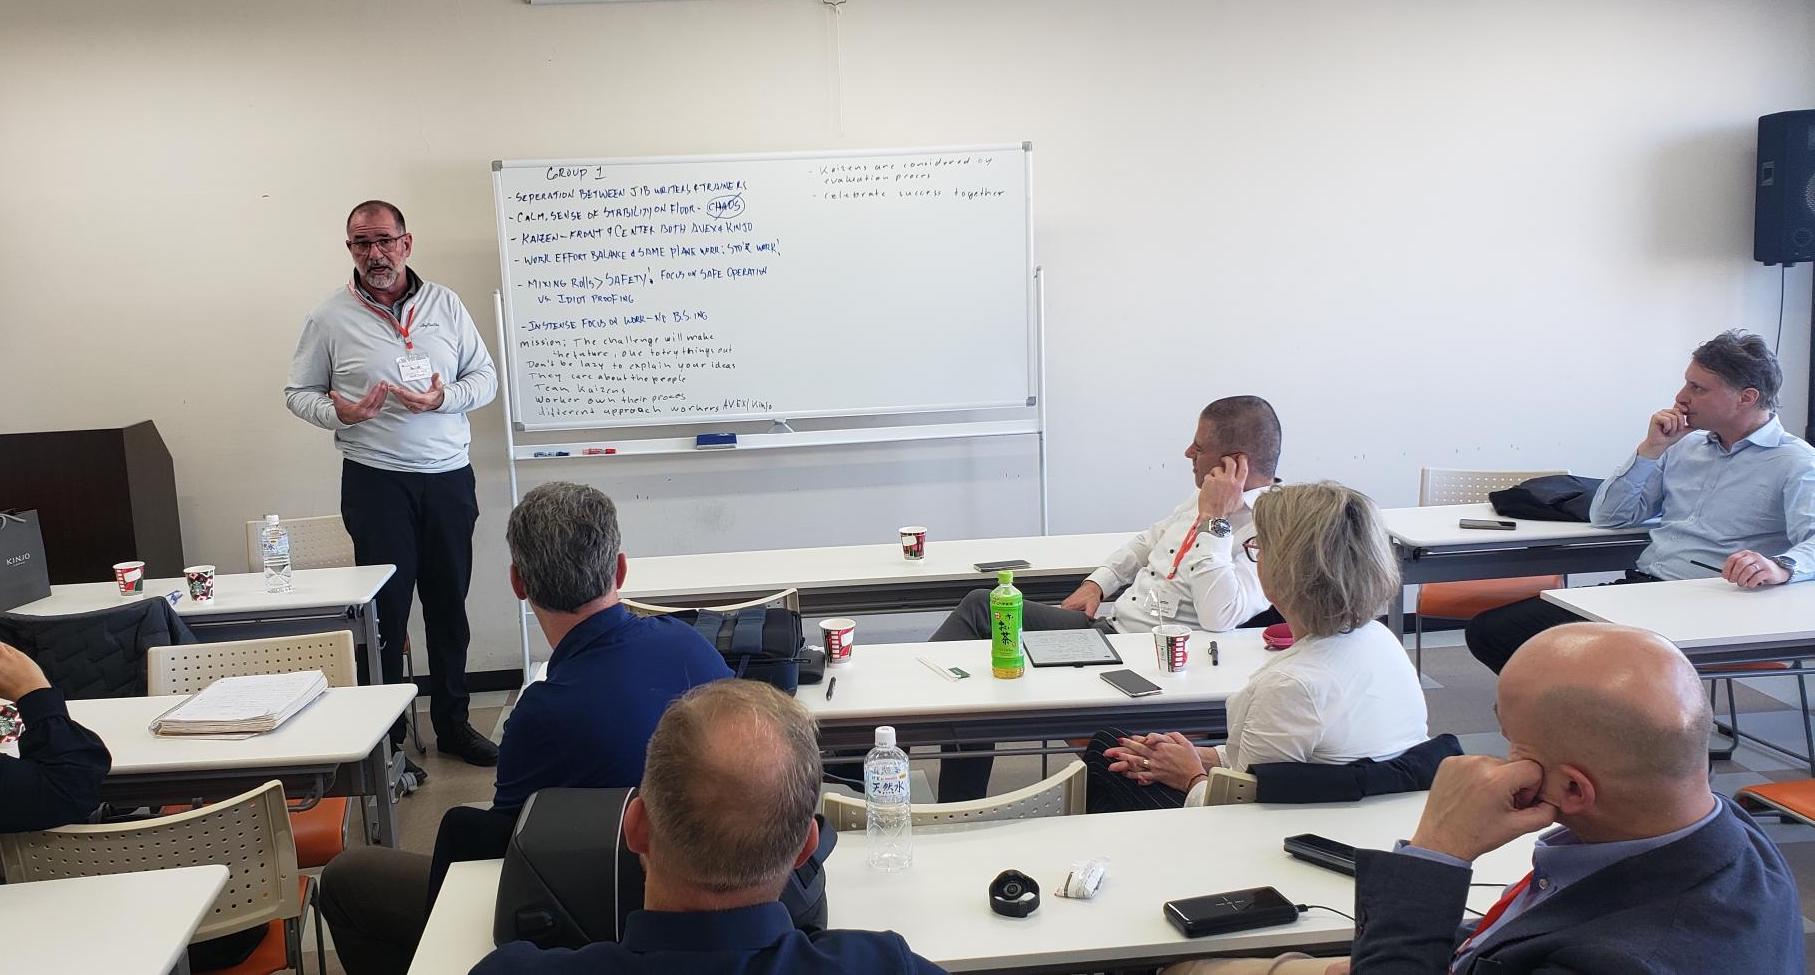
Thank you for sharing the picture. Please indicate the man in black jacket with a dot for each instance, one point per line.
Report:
(56, 779)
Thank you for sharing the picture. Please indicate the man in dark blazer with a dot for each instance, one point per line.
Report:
(1646, 870)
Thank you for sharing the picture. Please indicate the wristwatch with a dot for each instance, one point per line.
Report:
(1788, 564)
(1220, 527)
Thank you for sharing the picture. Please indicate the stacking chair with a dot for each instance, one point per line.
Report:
(318, 825)
(322, 542)
(1718, 674)
(1467, 599)
(1786, 800)
(786, 599)
(249, 834)
(1059, 794)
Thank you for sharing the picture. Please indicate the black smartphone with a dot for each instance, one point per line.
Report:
(1491, 524)
(1235, 910)
(999, 566)
(1131, 683)
(1323, 852)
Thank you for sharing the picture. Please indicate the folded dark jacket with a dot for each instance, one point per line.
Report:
(1553, 497)
(1411, 771)
(56, 780)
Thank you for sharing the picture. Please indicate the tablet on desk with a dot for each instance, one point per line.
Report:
(1069, 648)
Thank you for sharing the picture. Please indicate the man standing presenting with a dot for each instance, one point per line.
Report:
(392, 364)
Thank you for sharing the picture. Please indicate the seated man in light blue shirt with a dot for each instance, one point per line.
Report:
(1641, 868)
(1733, 492)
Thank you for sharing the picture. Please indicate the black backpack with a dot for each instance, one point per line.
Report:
(761, 643)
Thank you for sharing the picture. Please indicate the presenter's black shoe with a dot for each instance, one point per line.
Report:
(469, 745)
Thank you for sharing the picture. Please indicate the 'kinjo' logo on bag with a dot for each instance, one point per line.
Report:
(15, 560)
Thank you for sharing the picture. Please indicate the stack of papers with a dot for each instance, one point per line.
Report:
(243, 705)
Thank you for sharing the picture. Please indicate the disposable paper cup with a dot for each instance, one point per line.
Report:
(11, 724)
(913, 543)
(841, 638)
(130, 576)
(1170, 645)
(201, 582)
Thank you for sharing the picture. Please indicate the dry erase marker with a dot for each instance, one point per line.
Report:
(1705, 565)
(599, 451)
(1213, 661)
(550, 453)
(829, 686)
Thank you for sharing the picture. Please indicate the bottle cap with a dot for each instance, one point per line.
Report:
(270, 519)
(885, 737)
(1005, 577)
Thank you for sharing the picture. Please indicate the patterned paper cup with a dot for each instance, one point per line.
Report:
(913, 543)
(130, 576)
(11, 724)
(841, 638)
(1170, 644)
(201, 582)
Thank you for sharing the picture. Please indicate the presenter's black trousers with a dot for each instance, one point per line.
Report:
(422, 524)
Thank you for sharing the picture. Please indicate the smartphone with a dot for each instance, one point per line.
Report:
(1131, 683)
(1235, 910)
(999, 566)
(1323, 852)
(1492, 524)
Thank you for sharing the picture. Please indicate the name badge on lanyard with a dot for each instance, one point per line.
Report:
(414, 367)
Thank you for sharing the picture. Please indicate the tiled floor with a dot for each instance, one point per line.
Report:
(1459, 692)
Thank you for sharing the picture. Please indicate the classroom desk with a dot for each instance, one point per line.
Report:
(121, 924)
(872, 578)
(938, 904)
(337, 746)
(321, 600)
(1711, 620)
(1432, 547)
(887, 684)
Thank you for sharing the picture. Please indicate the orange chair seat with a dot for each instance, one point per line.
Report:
(1467, 600)
(1761, 665)
(320, 832)
(272, 954)
(1796, 798)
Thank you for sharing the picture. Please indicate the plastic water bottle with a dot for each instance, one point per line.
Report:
(885, 790)
(274, 543)
(1005, 656)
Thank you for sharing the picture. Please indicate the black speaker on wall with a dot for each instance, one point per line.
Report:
(1783, 225)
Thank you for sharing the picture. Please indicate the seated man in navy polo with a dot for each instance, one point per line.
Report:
(725, 813)
(584, 726)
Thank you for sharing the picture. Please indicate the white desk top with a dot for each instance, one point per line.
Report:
(1435, 526)
(887, 681)
(136, 923)
(342, 726)
(1696, 613)
(239, 592)
(863, 565)
(938, 904)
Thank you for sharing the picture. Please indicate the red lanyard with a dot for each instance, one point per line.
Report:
(403, 327)
(1185, 546)
(1494, 912)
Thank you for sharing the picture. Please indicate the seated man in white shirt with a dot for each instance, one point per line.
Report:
(1186, 568)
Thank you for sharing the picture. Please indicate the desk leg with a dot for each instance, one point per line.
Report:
(368, 620)
(383, 809)
(1395, 614)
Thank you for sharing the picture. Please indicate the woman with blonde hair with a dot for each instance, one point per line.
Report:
(1344, 691)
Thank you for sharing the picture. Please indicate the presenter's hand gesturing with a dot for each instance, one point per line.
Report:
(421, 402)
(362, 409)
(19, 674)
(1221, 493)
(1480, 803)
(1085, 599)
(1667, 427)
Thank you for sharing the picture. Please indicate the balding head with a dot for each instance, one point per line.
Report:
(1616, 711)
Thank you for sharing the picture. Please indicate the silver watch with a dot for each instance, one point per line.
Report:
(1788, 564)
(1221, 528)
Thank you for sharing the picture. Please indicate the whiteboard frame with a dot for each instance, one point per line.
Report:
(1032, 340)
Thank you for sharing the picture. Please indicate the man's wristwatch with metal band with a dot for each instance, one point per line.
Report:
(1220, 527)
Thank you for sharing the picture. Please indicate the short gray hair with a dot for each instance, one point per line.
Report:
(1324, 556)
(564, 542)
(1742, 361)
(730, 784)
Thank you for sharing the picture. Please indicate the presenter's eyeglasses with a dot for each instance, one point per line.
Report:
(380, 243)
(1251, 548)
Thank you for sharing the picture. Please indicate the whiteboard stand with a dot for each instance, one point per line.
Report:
(510, 454)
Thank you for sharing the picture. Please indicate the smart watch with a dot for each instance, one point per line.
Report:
(1014, 894)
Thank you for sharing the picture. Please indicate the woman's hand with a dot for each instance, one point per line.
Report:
(1169, 759)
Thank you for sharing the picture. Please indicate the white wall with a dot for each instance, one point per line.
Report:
(1462, 233)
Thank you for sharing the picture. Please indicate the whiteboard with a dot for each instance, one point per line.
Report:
(688, 289)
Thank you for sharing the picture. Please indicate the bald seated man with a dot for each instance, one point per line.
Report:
(1642, 867)
(724, 814)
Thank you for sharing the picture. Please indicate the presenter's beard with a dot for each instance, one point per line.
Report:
(380, 276)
